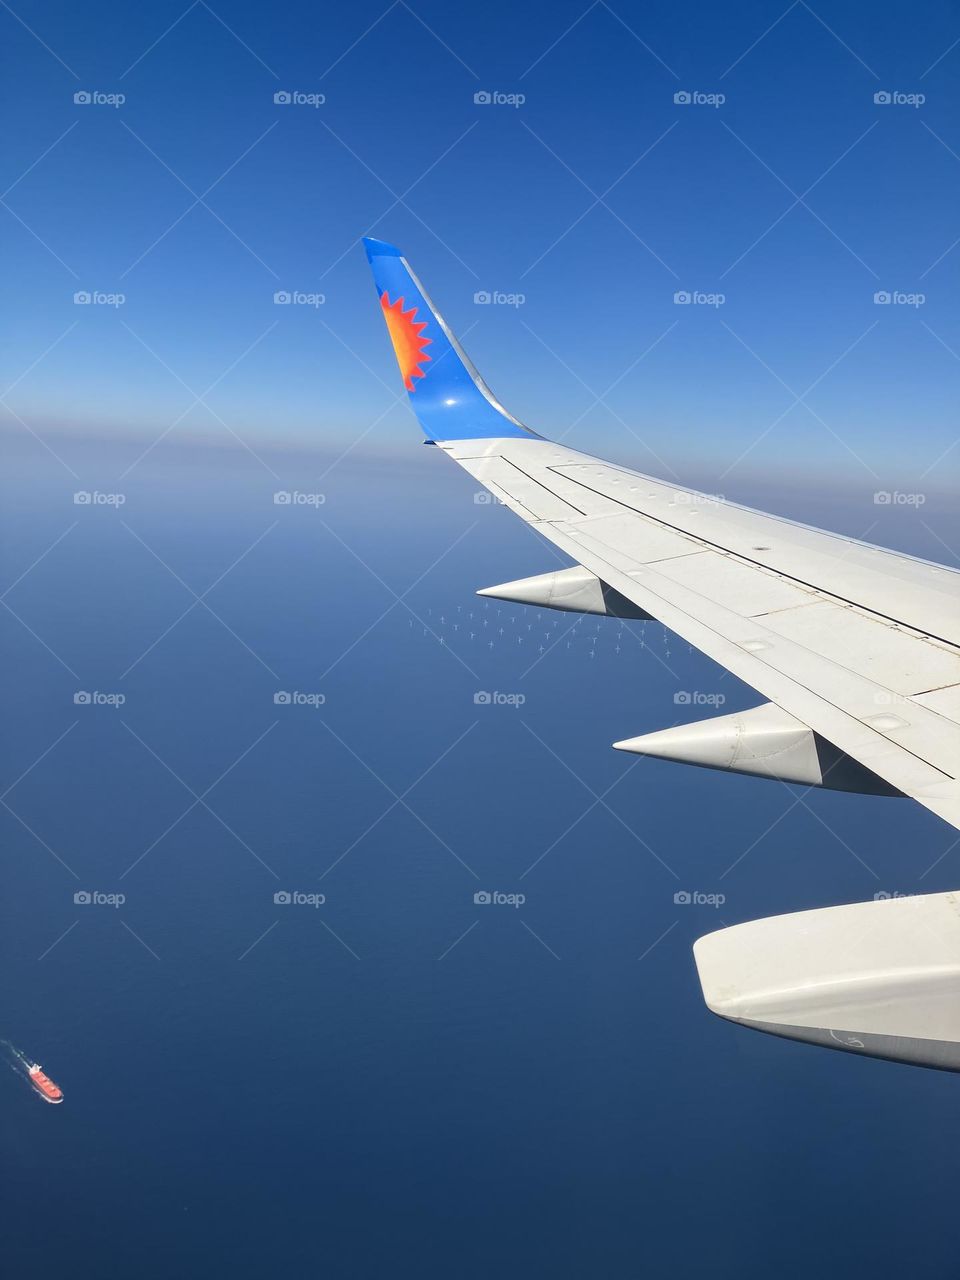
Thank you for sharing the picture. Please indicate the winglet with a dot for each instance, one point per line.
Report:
(380, 249)
(450, 399)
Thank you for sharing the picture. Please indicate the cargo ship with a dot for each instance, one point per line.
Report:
(47, 1090)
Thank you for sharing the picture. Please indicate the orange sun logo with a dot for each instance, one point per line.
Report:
(407, 339)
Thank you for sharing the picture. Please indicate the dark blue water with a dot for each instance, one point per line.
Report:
(401, 1082)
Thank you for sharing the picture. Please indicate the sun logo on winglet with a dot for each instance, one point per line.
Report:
(406, 334)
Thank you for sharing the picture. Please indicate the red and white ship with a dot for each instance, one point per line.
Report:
(47, 1090)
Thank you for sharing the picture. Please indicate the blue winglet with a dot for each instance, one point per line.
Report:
(450, 399)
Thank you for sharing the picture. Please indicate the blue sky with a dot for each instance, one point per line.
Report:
(598, 199)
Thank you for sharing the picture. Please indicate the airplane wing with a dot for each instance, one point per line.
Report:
(855, 650)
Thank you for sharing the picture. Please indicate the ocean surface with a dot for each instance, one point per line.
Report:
(400, 1080)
